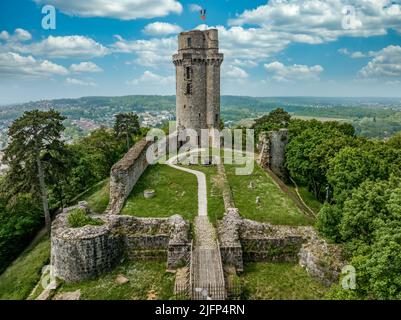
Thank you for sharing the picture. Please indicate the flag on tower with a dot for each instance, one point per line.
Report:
(203, 14)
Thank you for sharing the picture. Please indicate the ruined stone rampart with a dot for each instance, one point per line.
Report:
(272, 146)
(125, 173)
(243, 240)
(83, 253)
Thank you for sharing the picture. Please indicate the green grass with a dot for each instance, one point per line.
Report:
(98, 197)
(147, 279)
(78, 218)
(176, 193)
(310, 199)
(19, 279)
(279, 281)
(275, 206)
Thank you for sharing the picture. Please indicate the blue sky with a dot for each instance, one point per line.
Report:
(272, 48)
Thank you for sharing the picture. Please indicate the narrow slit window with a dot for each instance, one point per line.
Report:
(189, 42)
(188, 73)
(189, 88)
(217, 118)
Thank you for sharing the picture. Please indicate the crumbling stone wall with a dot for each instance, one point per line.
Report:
(243, 240)
(124, 175)
(229, 239)
(272, 151)
(83, 253)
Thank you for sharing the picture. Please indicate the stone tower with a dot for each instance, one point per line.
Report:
(197, 66)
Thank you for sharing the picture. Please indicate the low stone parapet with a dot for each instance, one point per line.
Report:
(87, 252)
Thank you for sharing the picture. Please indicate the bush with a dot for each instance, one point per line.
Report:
(78, 218)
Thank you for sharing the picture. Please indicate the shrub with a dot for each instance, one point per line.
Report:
(78, 218)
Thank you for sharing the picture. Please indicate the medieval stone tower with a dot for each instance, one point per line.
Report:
(197, 65)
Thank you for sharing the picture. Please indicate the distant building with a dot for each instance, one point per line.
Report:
(197, 65)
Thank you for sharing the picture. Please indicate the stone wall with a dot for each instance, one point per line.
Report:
(272, 151)
(83, 253)
(125, 173)
(243, 240)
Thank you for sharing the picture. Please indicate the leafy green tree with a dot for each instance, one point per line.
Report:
(127, 125)
(309, 153)
(275, 120)
(353, 165)
(31, 136)
(373, 204)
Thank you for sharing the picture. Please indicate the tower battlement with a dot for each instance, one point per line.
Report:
(197, 65)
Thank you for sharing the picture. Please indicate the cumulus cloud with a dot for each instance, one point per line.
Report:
(62, 47)
(14, 65)
(296, 72)
(78, 82)
(161, 29)
(85, 67)
(234, 73)
(18, 35)
(324, 20)
(385, 64)
(119, 9)
(149, 77)
(353, 55)
(149, 53)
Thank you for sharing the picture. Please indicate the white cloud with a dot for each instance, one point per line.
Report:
(234, 73)
(316, 21)
(385, 64)
(353, 55)
(119, 9)
(149, 77)
(62, 47)
(244, 63)
(77, 82)
(19, 35)
(22, 35)
(14, 65)
(82, 67)
(4, 35)
(161, 29)
(195, 7)
(149, 53)
(296, 72)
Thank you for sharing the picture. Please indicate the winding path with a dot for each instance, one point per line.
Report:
(206, 267)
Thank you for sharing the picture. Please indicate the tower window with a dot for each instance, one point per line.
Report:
(217, 118)
(185, 106)
(188, 73)
(189, 88)
(189, 42)
(199, 115)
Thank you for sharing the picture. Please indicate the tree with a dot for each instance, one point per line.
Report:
(275, 120)
(31, 136)
(126, 125)
(309, 154)
(353, 165)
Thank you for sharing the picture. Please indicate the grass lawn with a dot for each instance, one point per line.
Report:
(176, 193)
(279, 281)
(148, 280)
(310, 199)
(19, 279)
(275, 206)
(98, 196)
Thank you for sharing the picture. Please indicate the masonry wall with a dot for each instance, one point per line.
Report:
(272, 146)
(83, 253)
(125, 173)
